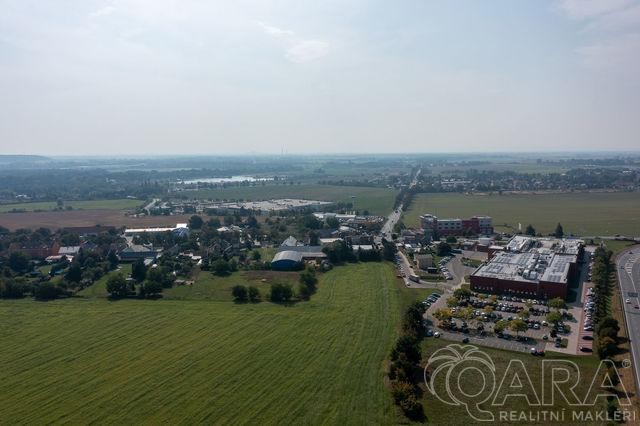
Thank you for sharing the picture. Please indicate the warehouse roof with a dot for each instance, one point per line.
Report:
(293, 256)
(530, 259)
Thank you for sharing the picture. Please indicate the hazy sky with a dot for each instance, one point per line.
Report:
(186, 76)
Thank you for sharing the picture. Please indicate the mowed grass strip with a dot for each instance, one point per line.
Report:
(173, 361)
(122, 204)
(585, 213)
(506, 367)
(375, 200)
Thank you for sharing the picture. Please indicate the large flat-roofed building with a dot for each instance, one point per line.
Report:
(431, 224)
(530, 267)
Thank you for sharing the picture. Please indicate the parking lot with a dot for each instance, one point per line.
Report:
(585, 334)
(486, 310)
(495, 342)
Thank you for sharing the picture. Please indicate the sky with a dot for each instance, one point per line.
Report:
(146, 77)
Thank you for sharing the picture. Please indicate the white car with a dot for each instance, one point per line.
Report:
(628, 301)
(436, 334)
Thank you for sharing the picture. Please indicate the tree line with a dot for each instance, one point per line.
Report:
(405, 372)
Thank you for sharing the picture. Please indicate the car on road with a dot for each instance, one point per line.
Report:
(628, 301)
(585, 349)
(587, 337)
(429, 333)
(436, 334)
(465, 340)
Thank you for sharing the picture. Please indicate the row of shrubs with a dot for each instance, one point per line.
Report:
(405, 372)
(280, 292)
(43, 290)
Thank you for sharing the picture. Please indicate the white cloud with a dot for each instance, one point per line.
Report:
(618, 20)
(587, 9)
(620, 53)
(275, 31)
(307, 50)
(297, 49)
(105, 11)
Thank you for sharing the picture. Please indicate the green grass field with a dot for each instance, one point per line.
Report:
(91, 204)
(438, 412)
(200, 361)
(375, 200)
(586, 214)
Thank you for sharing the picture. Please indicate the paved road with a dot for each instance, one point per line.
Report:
(628, 266)
(394, 217)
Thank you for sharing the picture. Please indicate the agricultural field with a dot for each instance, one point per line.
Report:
(60, 219)
(185, 361)
(584, 214)
(375, 200)
(123, 204)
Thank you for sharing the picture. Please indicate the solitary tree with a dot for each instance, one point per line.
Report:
(462, 293)
(112, 258)
(220, 267)
(530, 230)
(74, 274)
(518, 325)
(559, 232)
(281, 293)
(524, 314)
(138, 270)
(554, 317)
(150, 288)
(195, 222)
(500, 326)
(240, 294)
(606, 347)
(557, 303)
(443, 314)
(117, 286)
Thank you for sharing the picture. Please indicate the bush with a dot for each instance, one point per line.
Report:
(608, 323)
(606, 347)
(46, 291)
(401, 390)
(9, 289)
(150, 289)
(220, 267)
(117, 286)
(412, 408)
(281, 293)
(240, 294)
(254, 294)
